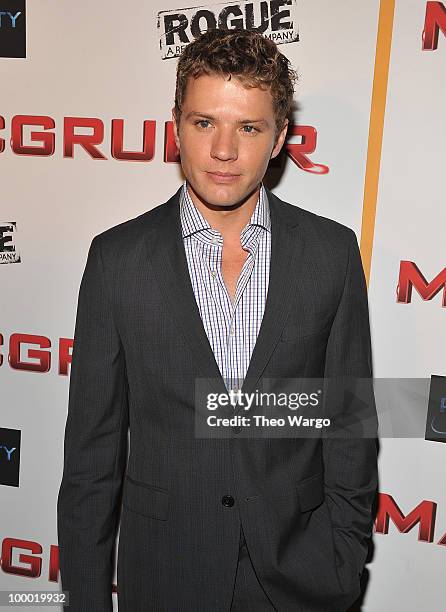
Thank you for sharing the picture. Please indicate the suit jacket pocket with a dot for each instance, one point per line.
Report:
(145, 499)
(311, 492)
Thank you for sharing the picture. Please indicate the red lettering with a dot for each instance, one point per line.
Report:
(424, 514)
(53, 572)
(87, 141)
(44, 357)
(117, 151)
(65, 356)
(2, 140)
(434, 21)
(298, 152)
(410, 276)
(35, 563)
(47, 139)
(171, 153)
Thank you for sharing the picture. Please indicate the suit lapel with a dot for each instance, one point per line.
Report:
(168, 258)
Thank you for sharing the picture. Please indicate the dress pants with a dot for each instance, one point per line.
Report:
(248, 595)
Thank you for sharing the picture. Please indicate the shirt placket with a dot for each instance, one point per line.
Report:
(211, 258)
(236, 348)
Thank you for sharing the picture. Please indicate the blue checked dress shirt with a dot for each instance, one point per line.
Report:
(231, 328)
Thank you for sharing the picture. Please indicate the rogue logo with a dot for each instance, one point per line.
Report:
(8, 252)
(434, 21)
(410, 276)
(272, 18)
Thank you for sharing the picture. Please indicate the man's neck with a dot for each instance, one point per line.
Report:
(228, 220)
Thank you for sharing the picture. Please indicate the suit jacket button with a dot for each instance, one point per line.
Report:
(227, 500)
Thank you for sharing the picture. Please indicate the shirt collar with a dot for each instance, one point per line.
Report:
(192, 220)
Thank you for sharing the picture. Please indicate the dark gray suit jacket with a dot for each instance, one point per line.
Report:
(139, 344)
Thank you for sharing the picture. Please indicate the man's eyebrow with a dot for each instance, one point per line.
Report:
(198, 114)
(212, 118)
(243, 121)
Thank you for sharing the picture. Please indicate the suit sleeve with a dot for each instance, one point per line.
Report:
(95, 447)
(350, 461)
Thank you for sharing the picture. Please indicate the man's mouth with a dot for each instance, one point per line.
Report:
(223, 177)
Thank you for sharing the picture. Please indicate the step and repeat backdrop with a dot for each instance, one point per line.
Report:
(86, 92)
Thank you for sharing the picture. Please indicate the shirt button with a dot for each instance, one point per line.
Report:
(227, 500)
(214, 240)
(214, 273)
(237, 429)
(232, 331)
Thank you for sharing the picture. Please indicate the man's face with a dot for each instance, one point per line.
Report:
(226, 136)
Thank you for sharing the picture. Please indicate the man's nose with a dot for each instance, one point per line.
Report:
(224, 145)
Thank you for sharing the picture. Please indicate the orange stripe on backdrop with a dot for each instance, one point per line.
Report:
(377, 111)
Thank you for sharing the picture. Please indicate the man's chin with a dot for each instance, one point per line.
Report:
(223, 198)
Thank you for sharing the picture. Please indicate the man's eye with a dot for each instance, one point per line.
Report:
(203, 123)
(249, 129)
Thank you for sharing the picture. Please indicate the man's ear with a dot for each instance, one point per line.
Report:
(175, 128)
(280, 140)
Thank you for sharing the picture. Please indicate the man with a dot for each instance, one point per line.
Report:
(228, 283)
